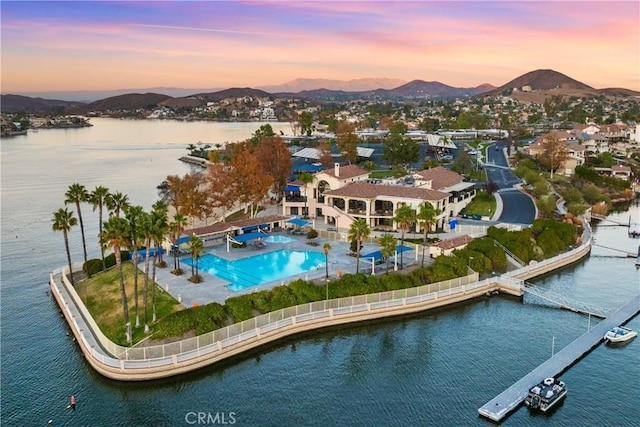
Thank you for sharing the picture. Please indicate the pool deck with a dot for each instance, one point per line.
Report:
(213, 289)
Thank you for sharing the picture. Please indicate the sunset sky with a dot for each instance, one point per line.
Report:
(94, 45)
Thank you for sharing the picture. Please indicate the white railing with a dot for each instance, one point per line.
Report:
(184, 350)
(211, 342)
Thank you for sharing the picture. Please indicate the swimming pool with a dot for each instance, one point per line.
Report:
(255, 270)
(277, 238)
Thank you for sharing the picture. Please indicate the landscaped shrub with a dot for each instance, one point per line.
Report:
(553, 237)
(200, 319)
(394, 282)
(240, 307)
(261, 301)
(488, 249)
(94, 266)
(520, 243)
(307, 291)
(282, 297)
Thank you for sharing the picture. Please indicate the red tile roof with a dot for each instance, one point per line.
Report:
(220, 227)
(440, 177)
(346, 172)
(454, 242)
(365, 190)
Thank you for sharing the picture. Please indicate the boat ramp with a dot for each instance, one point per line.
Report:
(500, 406)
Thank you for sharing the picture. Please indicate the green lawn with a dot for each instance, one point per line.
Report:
(380, 174)
(101, 295)
(483, 204)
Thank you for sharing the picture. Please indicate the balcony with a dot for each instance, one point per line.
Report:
(295, 199)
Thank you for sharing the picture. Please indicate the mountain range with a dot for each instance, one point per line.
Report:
(531, 86)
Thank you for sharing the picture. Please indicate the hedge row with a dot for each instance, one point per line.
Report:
(546, 238)
(213, 316)
(94, 266)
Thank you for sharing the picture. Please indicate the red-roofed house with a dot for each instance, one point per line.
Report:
(346, 193)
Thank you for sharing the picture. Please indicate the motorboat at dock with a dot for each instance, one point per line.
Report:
(620, 334)
(546, 394)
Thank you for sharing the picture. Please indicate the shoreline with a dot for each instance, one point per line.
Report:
(195, 353)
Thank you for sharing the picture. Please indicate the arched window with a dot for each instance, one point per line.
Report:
(322, 187)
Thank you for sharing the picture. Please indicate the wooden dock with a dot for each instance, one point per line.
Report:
(497, 408)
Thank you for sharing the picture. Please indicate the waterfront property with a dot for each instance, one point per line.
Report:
(343, 194)
(146, 363)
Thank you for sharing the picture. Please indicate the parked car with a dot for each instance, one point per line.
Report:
(476, 217)
(447, 157)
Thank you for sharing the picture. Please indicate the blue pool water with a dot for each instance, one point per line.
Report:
(258, 269)
(276, 238)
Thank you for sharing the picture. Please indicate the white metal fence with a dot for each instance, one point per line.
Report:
(153, 356)
(159, 355)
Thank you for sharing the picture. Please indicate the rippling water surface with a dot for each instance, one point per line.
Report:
(435, 368)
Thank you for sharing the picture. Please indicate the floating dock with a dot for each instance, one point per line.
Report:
(497, 408)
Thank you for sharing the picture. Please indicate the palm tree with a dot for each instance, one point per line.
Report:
(115, 236)
(146, 231)
(75, 194)
(326, 248)
(196, 247)
(134, 215)
(426, 217)
(117, 202)
(63, 220)
(388, 245)
(405, 218)
(159, 228)
(159, 213)
(176, 227)
(359, 230)
(98, 198)
(307, 178)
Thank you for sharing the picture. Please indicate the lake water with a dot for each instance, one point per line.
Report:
(435, 368)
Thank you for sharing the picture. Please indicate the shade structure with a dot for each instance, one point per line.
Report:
(292, 188)
(247, 237)
(183, 239)
(377, 255)
(297, 221)
(308, 168)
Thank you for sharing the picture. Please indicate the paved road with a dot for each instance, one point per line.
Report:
(517, 207)
(500, 173)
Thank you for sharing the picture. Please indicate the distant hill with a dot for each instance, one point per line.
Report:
(420, 88)
(87, 96)
(545, 80)
(543, 83)
(618, 91)
(413, 89)
(130, 101)
(234, 92)
(16, 103)
(355, 85)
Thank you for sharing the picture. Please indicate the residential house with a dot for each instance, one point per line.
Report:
(575, 149)
(346, 193)
(447, 246)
